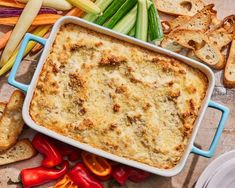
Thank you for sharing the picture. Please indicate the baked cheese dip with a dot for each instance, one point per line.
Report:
(118, 97)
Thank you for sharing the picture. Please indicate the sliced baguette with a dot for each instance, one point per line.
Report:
(202, 47)
(192, 55)
(2, 108)
(180, 20)
(211, 55)
(229, 23)
(220, 37)
(169, 43)
(22, 150)
(229, 73)
(11, 122)
(200, 21)
(180, 7)
(191, 39)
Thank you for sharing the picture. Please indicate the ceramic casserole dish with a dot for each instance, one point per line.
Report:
(48, 44)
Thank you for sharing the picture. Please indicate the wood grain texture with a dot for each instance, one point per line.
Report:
(195, 164)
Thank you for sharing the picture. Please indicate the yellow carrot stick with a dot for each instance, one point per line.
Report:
(26, 18)
(56, 4)
(40, 31)
(86, 5)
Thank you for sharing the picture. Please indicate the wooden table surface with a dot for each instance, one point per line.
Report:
(194, 165)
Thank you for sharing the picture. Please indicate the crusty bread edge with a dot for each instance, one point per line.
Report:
(174, 14)
(17, 132)
(27, 142)
(228, 83)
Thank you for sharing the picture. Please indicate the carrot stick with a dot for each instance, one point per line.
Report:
(6, 36)
(11, 3)
(74, 12)
(42, 19)
(4, 39)
(38, 46)
(39, 31)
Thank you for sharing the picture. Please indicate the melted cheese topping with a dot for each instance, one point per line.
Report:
(118, 97)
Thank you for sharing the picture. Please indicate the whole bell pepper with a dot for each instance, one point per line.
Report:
(82, 177)
(45, 146)
(39, 175)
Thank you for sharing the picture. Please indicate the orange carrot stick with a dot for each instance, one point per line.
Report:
(42, 19)
(11, 3)
(4, 39)
(38, 46)
(73, 12)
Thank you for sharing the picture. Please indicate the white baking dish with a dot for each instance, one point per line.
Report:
(29, 89)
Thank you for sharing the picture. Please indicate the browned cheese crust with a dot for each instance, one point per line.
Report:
(118, 97)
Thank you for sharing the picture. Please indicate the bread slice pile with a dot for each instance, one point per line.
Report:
(11, 125)
(22, 150)
(199, 33)
(180, 7)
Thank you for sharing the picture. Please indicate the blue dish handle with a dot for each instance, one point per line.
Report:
(11, 80)
(224, 117)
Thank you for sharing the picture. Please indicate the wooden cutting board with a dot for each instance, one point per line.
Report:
(195, 164)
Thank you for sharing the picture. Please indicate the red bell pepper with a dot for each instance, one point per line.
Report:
(71, 152)
(40, 175)
(104, 178)
(122, 173)
(137, 175)
(82, 177)
(45, 146)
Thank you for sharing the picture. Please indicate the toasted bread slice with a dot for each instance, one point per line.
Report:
(211, 55)
(220, 37)
(215, 22)
(200, 21)
(170, 43)
(192, 55)
(180, 20)
(229, 23)
(202, 47)
(11, 122)
(2, 108)
(22, 150)
(191, 39)
(180, 7)
(229, 73)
